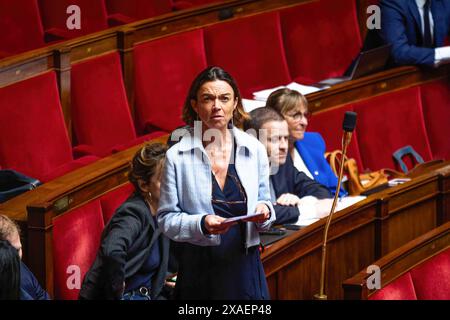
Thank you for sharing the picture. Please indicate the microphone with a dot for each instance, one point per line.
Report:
(348, 126)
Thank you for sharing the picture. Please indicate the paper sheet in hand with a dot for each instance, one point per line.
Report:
(240, 218)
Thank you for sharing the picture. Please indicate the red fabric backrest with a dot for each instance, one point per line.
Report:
(432, 278)
(251, 50)
(113, 200)
(139, 9)
(436, 111)
(76, 238)
(164, 70)
(33, 134)
(400, 289)
(329, 125)
(389, 122)
(321, 38)
(100, 111)
(93, 15)
(20, 26)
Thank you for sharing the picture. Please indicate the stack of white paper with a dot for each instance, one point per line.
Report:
(264, 94)
(250, 105)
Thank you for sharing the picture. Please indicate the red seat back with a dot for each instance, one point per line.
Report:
(164, 70)
(432, 278)
(33, 134)
(251, 50)
(139, 9)
(329, 125)
(400, 289)
(20, 26)
(321, 38)
(76, 238)
(93, 15)
(113, 200)
(389, 122)
(436, 110)
(100, 111)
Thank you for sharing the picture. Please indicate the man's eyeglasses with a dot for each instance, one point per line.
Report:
(299, 115)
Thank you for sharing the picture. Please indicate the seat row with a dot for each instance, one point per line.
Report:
(31, 24)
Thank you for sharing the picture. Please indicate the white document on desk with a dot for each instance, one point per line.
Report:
(250, 105)
(264, 94)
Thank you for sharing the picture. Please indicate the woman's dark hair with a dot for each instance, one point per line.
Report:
(9, 272)
(207, 75)
(146, 162)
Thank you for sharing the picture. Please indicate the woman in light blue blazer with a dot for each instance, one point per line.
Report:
(215, 171)
(307, 149)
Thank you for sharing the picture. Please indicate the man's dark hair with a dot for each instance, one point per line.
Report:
(260, 116)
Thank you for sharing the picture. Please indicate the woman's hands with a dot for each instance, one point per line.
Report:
(260, 208)
(214, 225)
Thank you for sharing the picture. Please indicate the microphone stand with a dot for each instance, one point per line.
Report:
(345, 142)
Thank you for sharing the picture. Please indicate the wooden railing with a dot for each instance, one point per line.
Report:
(400, 261)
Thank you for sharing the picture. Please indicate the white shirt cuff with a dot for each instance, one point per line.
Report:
(441, 55)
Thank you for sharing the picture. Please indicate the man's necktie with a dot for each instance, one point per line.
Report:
(427, 40)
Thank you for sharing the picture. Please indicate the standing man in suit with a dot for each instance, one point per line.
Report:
(292, 192)
(417, 30)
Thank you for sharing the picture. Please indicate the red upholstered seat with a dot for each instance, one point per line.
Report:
(164, 70)
(432, 278)
(76, 238)
(114, 199)
(132, 10)
(100, 111)
(389, 122)
(251, 50)
(34, 139)
(400, 289)
(436, 110)
(321, 39)
(20, 26)
(329, 125)
(54, 17)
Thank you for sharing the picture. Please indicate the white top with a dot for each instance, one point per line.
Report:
(442, 54)
(299, 164)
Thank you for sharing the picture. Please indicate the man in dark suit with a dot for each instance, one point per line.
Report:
(292, 192)
(417, 30)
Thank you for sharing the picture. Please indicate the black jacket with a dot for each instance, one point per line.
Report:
(289, 180)
(125, 244)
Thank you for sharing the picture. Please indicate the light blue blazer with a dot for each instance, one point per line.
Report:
(186, 188)
(312, 150)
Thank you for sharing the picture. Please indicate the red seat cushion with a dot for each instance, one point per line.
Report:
(76, 238)
(321, 38)
(164, 70)
(68, 167)
(389, 122)
(20, 25)
(251, 50)
(329, 125)
(400, 289)
(139, 9)
(93, 16)
(113, 200)
(100, 111)
(33, 134)
(432, 278)
(436, 110)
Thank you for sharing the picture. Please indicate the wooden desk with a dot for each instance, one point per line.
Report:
(358, 236)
